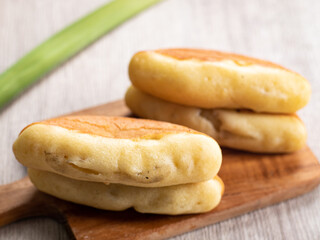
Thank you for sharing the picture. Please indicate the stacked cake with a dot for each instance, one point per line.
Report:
(243, 103)
(115, 163)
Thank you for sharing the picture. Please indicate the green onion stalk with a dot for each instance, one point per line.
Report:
(65, 44)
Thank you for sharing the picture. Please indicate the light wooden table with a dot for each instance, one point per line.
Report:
(286, 32)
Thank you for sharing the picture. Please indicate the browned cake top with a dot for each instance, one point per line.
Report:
(116, 127)
(215, 56)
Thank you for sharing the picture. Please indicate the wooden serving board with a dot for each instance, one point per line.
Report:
(252, 181)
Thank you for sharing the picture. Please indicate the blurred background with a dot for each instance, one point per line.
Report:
(284, 32)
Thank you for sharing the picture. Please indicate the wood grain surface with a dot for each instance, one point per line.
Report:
(286, 32)
(252, 181)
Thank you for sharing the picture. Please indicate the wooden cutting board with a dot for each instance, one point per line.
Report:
(252, 181)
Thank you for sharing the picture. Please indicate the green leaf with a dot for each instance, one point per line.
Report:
(65, 44)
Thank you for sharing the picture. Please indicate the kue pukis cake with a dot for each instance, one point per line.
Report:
(242, 102)
(119, 150)
(239, 129)
(115, 163)
(212, 79)
(177, 199)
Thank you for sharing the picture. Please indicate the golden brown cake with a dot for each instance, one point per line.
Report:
(178, 199)
(212, 79)
(119, 150)
(244, 130)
